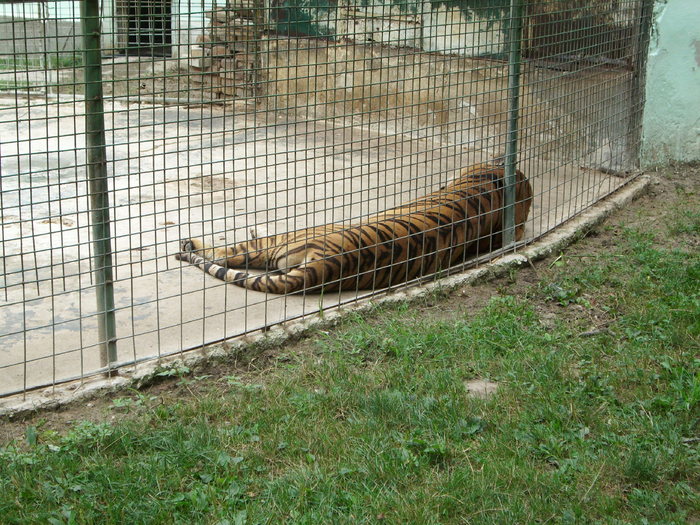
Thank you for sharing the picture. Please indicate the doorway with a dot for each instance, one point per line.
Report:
(149, 28)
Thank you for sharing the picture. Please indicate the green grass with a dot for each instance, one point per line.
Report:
(685, 219)
(375, 425)
(11, 84)
(36, 61)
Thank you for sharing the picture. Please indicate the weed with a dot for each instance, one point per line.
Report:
(14, 84)
(684, 221)
(49, 61)
(376, 424)
(173, 370)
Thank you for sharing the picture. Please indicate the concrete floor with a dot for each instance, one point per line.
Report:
(177, 173)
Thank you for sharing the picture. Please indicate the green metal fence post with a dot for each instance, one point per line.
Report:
(259, 26)
(644, 12)
(515, 32)
(97, 180)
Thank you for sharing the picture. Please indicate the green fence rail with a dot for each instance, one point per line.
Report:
(95, 144)
(129, 128)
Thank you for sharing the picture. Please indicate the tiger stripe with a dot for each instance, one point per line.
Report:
(421, 237)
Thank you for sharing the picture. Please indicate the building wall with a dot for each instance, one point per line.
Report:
(464, 27)
(461, 27)
(671, 122)
(32, 28)
(187, 18)
(39, 10)
(578, 116)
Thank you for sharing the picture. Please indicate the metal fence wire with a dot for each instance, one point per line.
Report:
(134, 131)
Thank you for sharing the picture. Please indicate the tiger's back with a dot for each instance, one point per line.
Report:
(421, 237)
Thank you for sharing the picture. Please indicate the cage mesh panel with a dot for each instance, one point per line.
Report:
(226, 117)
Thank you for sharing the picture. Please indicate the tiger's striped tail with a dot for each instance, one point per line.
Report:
(296, 280)
(215, 270)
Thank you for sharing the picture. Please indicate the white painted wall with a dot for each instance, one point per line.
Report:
(34, 10)
(671, 122)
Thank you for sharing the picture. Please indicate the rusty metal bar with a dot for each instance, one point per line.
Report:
(515, 32)
(97, 181)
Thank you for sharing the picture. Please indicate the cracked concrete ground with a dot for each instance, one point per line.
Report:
(177, 172)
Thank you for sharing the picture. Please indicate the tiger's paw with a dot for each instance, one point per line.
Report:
(192, 245)
(183, 256)
(189, 247)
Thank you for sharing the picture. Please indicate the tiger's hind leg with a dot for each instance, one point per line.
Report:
(247, 254)
(202, 249)
(264, 282)
(211, 267)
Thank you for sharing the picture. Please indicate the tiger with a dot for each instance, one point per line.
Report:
(422, 237)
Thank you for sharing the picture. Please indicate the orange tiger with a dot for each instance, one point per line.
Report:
(419, 238)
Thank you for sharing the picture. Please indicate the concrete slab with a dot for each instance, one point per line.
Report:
(142, 373)
(175, 173)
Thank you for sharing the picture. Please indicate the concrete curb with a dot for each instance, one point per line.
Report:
(145, 373)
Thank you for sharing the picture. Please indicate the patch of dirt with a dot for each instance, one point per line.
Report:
(480, 388)
(654, 211)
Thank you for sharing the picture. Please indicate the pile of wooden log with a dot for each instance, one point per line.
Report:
(223, 61)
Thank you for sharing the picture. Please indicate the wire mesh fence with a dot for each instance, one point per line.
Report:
(349, 147)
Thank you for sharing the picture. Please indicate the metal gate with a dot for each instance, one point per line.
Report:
(274, 116)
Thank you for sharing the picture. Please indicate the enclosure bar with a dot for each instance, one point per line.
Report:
(515, 32)
(97, 180)
(638, 60)
(259, 19)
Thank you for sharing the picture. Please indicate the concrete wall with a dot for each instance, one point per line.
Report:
(460, 27)
(578, 117)
(671, 123)
(33, 37)
(33, 28)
